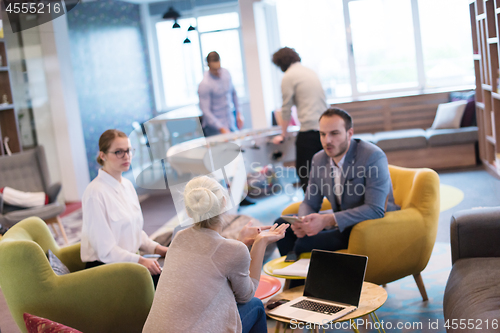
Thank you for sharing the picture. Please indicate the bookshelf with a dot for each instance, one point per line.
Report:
(485, 24)
(8, 116)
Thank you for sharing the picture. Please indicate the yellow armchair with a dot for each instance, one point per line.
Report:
(108, 298)
(400, 243)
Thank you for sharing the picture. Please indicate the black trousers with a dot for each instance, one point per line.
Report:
(99, 263)
(330, 240)
(307, 144)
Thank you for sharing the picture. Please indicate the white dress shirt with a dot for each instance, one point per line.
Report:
(112, 222)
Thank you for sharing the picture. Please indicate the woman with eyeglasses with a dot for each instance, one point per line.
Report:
(112, 216)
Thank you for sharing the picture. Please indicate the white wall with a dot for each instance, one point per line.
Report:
(260, 118)
(61, 129)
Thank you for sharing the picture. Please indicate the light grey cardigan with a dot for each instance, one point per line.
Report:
(203, 277)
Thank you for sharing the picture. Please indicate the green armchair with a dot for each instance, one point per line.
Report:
(108, 298)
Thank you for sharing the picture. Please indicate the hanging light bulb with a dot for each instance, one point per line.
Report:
(176, 25)
(187, 41)
(191, 28)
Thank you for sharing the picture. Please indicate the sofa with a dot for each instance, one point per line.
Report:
(472, 294)
(433, 130)
(431, 148)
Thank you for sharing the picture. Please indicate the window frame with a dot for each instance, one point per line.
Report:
(419, 88)
(419, 56)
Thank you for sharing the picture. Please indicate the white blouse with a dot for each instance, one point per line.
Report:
(112, 222)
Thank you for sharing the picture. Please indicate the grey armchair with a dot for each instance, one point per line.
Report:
(28, 172)
(472, 293)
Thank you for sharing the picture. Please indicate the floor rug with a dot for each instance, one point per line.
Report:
(450, 196)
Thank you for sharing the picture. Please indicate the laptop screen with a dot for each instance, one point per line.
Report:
(336, 277)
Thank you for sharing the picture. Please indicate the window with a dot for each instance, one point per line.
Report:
(447, 46)
(317, 33)
(384, 45)
(361, 47)
(218, 22)
(182, 65)
(220, 33)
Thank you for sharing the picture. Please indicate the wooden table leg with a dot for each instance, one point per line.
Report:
(355, 328)
(286, 286)
(278, 327)
(56, 234)
(61, 227)
(378, 320)
(375, 321)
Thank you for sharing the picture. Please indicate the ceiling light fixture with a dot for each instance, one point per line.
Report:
(172, 14)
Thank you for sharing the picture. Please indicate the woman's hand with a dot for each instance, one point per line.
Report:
(274, 234)
(151, 264)
(248, 233)
(161, 250)
(264, 238)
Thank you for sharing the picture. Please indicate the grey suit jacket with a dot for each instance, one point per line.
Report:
(366, 185)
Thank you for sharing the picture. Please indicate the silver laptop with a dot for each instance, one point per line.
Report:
(332, 290)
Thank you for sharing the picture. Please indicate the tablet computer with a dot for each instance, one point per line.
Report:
(291, 218)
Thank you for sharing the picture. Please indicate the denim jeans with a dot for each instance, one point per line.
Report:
(253, 316)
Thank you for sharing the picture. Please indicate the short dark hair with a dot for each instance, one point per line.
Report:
(341, 113)
(284, 57)
(213, 57)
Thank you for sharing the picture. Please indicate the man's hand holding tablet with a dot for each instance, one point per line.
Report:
(291, 218)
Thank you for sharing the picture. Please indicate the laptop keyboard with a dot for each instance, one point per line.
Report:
(318, 307)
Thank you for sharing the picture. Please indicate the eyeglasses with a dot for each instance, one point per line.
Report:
(120, 153)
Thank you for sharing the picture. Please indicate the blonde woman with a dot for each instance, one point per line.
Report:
(112, 216)
(208, 282)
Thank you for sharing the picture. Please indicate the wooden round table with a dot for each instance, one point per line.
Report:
(372, 298)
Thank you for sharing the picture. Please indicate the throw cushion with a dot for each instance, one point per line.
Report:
(36, 324)
(56, 264)
(449, 115)
(469, 117)
(18, 198)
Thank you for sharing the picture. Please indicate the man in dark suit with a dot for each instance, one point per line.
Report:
(353, 175)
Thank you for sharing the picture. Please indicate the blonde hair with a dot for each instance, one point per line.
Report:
(205, 200)
(106, 140)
